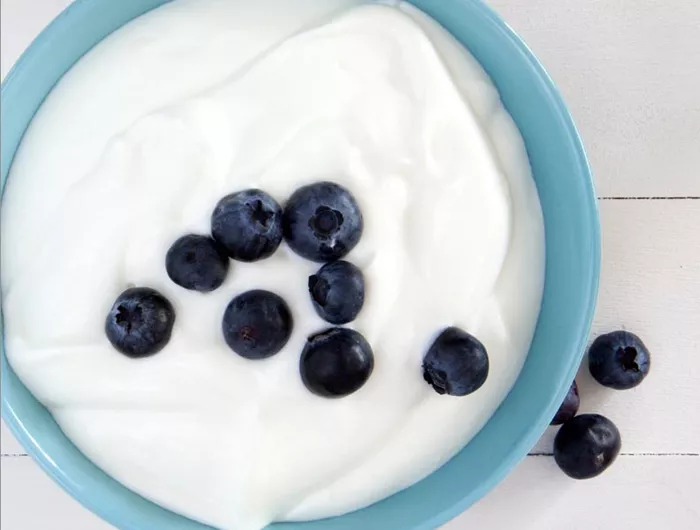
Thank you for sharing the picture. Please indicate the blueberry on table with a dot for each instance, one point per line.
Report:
(248, 224)
(140, 322)
(197, 263)
(586, 445)
(322, 222)
(619, 360)
(336, 362)
(337, 292)
(569, 407)
(257, 324)
(456, 364)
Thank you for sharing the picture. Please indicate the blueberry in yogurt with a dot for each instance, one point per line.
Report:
(248, 224)
(322, 222)
(140, 322)
(336, 362)
(337, 292)
(257, 324)
(456, 364)
(197, 263)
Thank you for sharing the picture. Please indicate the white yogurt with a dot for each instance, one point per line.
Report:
(201, 98)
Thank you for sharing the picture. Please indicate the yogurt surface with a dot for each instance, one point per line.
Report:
(201, 98)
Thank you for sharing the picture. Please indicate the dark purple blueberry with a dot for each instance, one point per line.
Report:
(322, 222)
(586, 445)
(140, 322)
(257, 324)
(456, 364)
(197, 263)
(248, 224)
(569, 407)
(337, 292)
(619, 360)
(336, 362)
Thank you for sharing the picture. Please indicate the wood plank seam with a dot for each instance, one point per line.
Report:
(692, 455)
(658, 198)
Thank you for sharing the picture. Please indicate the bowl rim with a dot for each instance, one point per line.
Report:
(533, 433)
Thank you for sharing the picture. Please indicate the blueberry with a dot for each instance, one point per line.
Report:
(337, 292)
(569, 407)
(456, 364)
(257, 324)
(140, 322)
(336, 362)
(197, 263)
(586, 445)
(619, 360)
(322, 222)
(248, 224)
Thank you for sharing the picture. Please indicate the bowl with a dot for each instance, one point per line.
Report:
(568, 201)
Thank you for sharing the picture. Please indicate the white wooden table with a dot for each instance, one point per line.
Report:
(630, 71)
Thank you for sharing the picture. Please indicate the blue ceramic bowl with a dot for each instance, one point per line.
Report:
(573, 264)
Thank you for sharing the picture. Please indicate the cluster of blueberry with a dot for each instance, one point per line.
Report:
(321, 222)
(587, 444)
